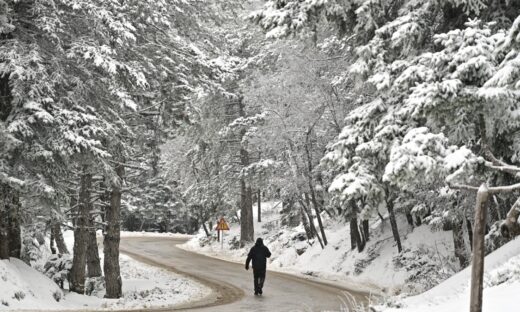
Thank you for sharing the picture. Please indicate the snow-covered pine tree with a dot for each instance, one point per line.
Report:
(410, 86)
(73, 75)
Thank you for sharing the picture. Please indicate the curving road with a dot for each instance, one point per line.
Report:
(232, 285)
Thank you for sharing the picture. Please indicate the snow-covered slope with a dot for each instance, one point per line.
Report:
(426, 260)
(144, 286)
(501, 282)
(22, 287)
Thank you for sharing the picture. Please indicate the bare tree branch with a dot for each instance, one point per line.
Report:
(463, 187)
(510, 227)
(504, 189)
(497, 164)
(492, 190)
(508, 169)
(127, 165)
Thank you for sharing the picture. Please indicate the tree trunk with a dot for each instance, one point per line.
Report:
(355, 236)
(73, 207)
(317, 207)
(5, 110)
(318, 217)
(459, 244)
(246, 214)
(236, 215)
(470, 234)
(10, 231)
(306, 226)
(5, 190)
(393, 222)
(205, 229)
(355, 239)
(494, 214)
(51, 243)
(466, 237)
(77, 272)
(409, 218)
(247, 231)
(366, 229)
(113, 282)
(58, 237)
(311, 220)
(259, 200)
(321, 194)
(105, 200)
(4, 225)
(15, 232)
(93, 262)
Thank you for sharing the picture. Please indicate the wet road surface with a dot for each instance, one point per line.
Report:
(232, 285)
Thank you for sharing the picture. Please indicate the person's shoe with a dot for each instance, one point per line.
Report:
(256, 293)
(260, 292)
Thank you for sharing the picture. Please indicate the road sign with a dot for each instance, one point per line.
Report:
(222, 225)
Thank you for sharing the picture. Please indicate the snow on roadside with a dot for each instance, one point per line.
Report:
(501, 285)
(22, 287)
(144, 286)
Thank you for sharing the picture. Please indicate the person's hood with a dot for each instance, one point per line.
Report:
(259, 242)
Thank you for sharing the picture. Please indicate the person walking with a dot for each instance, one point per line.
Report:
(258, 254)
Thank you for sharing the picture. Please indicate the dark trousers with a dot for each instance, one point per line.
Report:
(259, 278)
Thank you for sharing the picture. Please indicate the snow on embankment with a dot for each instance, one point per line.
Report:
(144, 286)
(501, 287)
(22, 287)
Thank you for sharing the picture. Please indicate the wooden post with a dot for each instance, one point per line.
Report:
(477, 267)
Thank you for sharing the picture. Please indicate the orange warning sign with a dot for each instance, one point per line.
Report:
(222, 225)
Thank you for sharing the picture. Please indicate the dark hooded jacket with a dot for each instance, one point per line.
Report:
(258, 254)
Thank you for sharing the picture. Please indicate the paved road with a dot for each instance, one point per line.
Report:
(232, 285)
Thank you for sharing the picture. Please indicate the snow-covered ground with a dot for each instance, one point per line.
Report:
(501, 282)
(144, 286)
(376, 269)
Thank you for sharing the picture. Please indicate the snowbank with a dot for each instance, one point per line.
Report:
(501, 282)
(22, 287)
(144, 286)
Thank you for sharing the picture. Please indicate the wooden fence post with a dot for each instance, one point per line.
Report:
(477, 267)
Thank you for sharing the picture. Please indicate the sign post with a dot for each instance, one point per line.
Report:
(222, 226)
